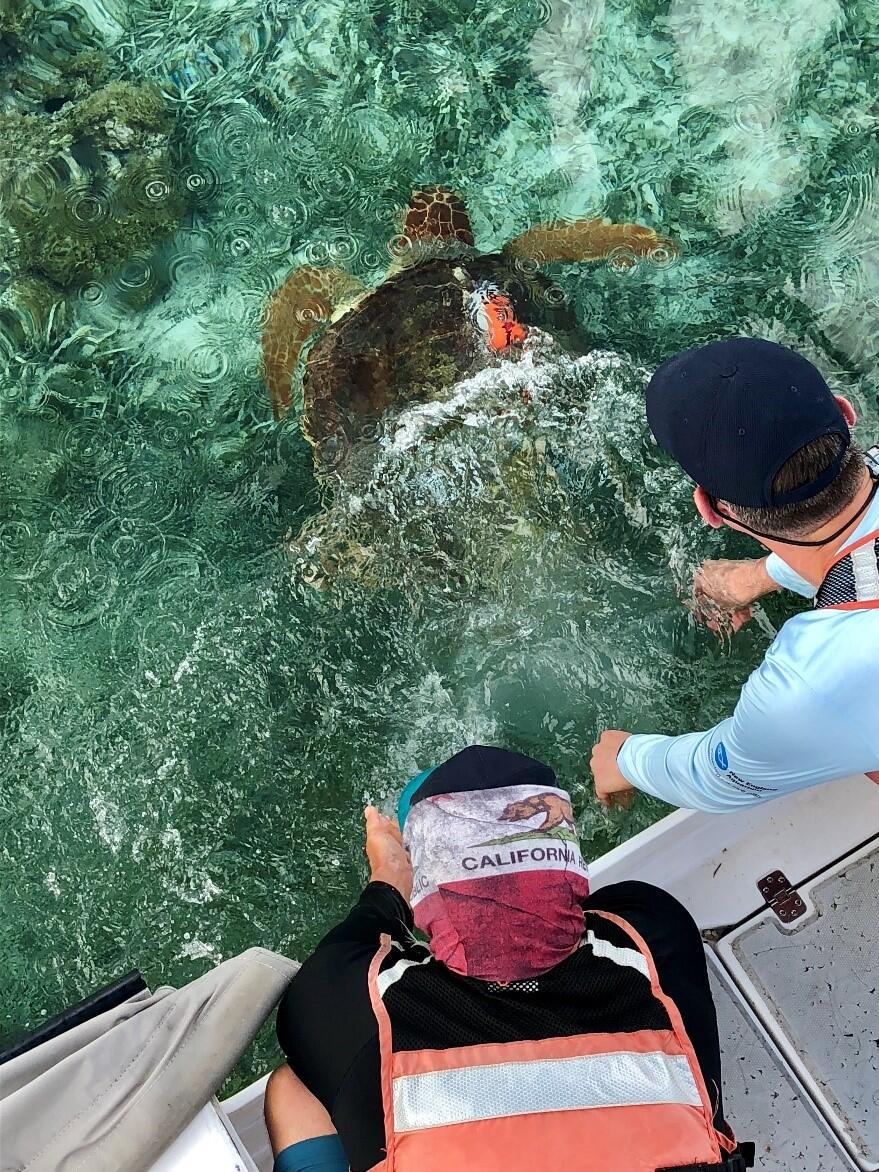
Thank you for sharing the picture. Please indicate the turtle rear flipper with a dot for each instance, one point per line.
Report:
(437, 214)
(304, 302)
(585, 240)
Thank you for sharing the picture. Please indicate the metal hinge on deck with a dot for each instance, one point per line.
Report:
(778, 892)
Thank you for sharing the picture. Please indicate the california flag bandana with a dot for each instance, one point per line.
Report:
(499, 877)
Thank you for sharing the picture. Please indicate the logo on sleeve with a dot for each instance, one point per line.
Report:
(721, 760)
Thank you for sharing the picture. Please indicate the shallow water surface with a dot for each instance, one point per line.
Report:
(210, 660)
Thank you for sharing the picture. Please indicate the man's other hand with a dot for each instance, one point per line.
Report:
(611, 788)
(732, 585)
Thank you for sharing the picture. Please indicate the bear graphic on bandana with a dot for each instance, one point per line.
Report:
(556, 808)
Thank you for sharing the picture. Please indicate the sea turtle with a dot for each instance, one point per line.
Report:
(443, 312)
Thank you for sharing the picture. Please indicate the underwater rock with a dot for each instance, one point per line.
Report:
(30, 469)
(92, 183)
(49, 56)
(121, 116)
(16, 17)
(86, 176)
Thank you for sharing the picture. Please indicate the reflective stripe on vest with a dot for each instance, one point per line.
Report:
(603, 1102)
(535, 1085)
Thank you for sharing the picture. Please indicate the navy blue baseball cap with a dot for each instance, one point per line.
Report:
(733, 412)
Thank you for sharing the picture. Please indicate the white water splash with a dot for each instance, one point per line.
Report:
(438, 724)
(498, 474)
(495, 393)
(494, 387)
(199, 950)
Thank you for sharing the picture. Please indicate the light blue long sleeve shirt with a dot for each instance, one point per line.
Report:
(808, 714)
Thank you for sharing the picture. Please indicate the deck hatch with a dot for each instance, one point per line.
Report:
(815, 986)
(762, 1102)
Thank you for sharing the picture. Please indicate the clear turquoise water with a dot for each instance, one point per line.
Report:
(189, 725)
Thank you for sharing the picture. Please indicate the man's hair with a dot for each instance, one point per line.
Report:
(804, 467)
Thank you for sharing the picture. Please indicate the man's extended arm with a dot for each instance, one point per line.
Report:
(380, 909)
(781, 737)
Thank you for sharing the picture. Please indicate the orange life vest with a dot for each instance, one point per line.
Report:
(600, 1102)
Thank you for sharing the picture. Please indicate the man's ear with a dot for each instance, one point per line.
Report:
(706, 509)
(851, 416)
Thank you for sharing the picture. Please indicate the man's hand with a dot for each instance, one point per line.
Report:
(611, 788)
(733, 585)
(724, 590)
(388, 859)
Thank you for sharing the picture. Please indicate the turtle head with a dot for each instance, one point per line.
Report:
(436, 223)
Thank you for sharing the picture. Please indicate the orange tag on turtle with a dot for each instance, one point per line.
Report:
(493, 312)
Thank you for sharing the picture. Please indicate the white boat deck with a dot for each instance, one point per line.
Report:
(205, 1146)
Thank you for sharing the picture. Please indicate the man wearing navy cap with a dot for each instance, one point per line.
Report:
(769, 448)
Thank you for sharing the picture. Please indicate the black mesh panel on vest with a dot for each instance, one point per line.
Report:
(433, 1008)
(839, 587)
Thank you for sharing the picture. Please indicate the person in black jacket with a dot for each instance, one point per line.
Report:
(519, 950)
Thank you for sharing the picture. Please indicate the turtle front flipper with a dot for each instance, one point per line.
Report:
(586, 240)
(304, 302)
